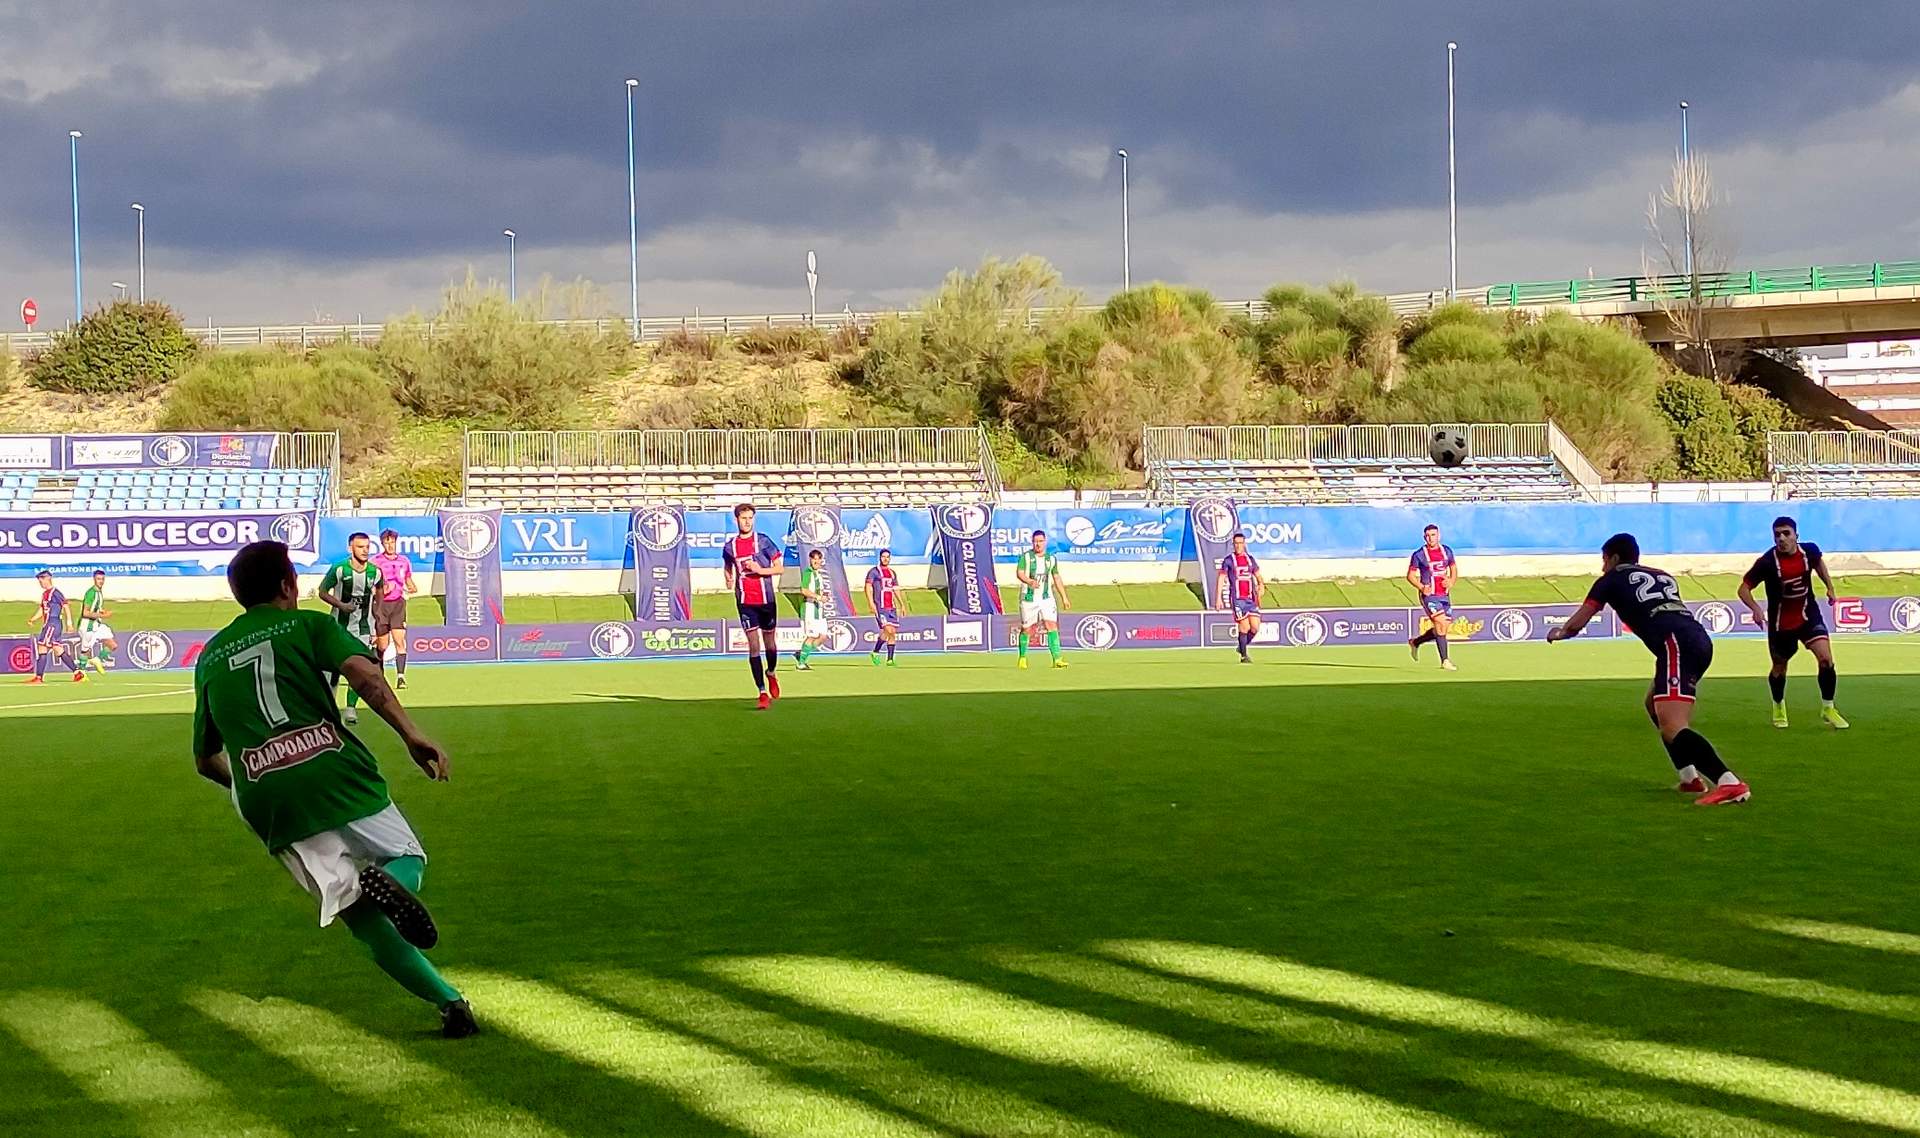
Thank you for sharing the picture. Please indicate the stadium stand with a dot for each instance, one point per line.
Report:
(1844, 464)
(1324, 465)
(608, 470)
(304, 479)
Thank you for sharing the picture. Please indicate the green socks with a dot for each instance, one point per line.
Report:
(353, 700)
(806, 650)
(1053, 642)
(1024, 637)
(398, 959)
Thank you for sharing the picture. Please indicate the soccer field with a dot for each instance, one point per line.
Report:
(1157, 893)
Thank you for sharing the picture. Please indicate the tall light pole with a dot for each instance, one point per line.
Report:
(140, 239)
(633, 221)
(73, 165)
(1686, 186)
(119, 290)
(1453, 200)
(1126, 227)
(513, 268)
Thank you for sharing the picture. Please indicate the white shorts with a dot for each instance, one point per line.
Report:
(813, 626)
(328, 864)
(1033, 612)
(89, 638)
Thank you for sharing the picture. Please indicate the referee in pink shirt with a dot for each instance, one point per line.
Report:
(390, 609)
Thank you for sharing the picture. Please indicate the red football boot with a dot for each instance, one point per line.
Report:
(1728, 795)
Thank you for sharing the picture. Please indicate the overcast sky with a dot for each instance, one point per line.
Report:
(303, 161)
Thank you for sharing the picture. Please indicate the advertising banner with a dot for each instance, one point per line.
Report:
(1096, 536)
(1513, 623)
(966, 550)
(662, 575)
(470, 567)
(16, 655)
(152, 651)
(29, 452)
(448, 644)
(1105, 631)
(1213, 521)
(103, 538)
(818, 527)
(239, 451)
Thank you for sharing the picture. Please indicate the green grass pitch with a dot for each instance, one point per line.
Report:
(1335, 893)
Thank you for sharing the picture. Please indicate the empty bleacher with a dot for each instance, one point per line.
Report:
(1844, 464)
(1388, 464)
(612, 470)
(149, 491)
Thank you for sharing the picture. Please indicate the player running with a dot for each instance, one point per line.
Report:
(390, 611)
(1793, 616)
(348, 589)
(97, 644)
(813, 620)
(265, 727)
(883, 595)
(752, 565)
(1432, 569)
(1240, 586)
(54, 622)
(1648, 602)
(1039, 574)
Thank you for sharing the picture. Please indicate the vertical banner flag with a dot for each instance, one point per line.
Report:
(470, 567)
(662, 572)
(966, 549)
(1213, 522)
(818, 527)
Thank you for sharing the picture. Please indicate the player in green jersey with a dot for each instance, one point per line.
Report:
(97, 644)
(1042, 595)
(349, 588)
(813, 621)
(265, 727)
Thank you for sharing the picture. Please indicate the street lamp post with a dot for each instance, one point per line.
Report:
(119, 290)
(633, 221)
(513, 268)
(1686, 187)
(140, 240)
(1453, 208)
(1126, 227)
(73, 166)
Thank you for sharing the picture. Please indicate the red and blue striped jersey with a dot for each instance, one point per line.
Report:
(1241, 571)
(749, 588)
(885, 586)
(1789, 581)
(1434, 564)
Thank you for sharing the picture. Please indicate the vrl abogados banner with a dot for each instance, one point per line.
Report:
(1213, 521)
(470, 567)
(966, 549)
(662, 571)
(818, 527)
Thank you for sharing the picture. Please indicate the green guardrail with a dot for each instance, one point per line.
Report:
(1711, 286)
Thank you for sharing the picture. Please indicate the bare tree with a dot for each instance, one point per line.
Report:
(1691, 251)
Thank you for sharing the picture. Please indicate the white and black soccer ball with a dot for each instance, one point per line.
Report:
(1448, 448)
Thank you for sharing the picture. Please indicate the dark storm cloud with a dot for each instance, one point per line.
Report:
(401, 131)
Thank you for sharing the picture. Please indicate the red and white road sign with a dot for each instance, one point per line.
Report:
(29, 312)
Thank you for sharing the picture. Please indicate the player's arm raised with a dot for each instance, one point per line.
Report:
(367, 680)
(1576, 623)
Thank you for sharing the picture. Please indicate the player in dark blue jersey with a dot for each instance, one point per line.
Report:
(1792, 616)
(53, 622)
(751, 562)
(1648, 602)
(1433, 569)
(1240, 586)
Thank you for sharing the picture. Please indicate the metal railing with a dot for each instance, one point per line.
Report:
(1360, 443)
(311, 450)
(1812, 452)
(1712, 286)
(654, 328)
(726, 453)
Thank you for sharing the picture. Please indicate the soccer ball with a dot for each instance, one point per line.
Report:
(1448, 448)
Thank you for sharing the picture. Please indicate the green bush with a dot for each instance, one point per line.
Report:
(784, 344)
(1457, 343)
(9, 370)
(485, 360)
(692, 344)
(126, 346)
(329, 389)
(427, 476)
(777, 400)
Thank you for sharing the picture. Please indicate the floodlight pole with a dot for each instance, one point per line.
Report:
(1126, 227)
(1453, 208)
(633, 221)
